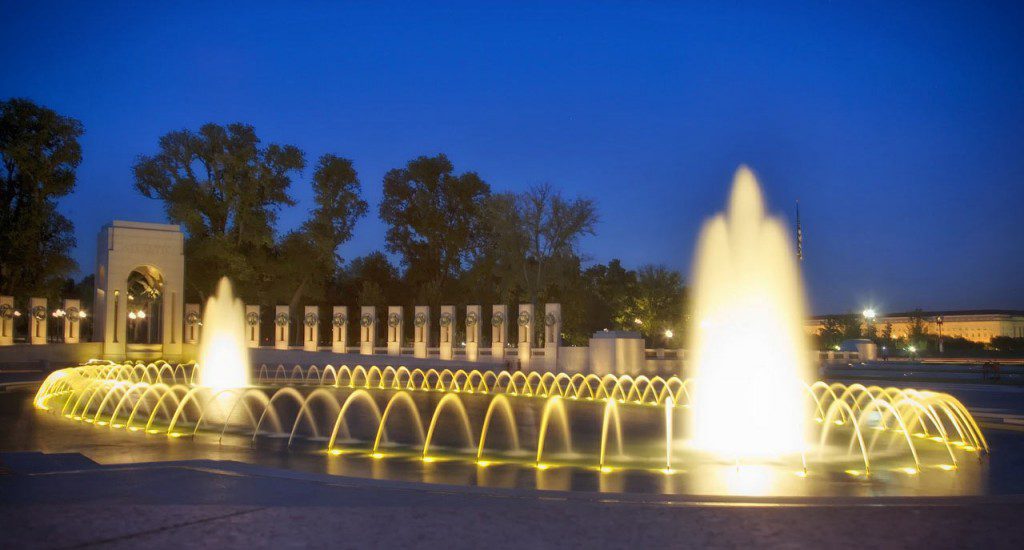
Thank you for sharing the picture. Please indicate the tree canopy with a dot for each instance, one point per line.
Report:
(226, 189)
(39, 152)
(432, 216)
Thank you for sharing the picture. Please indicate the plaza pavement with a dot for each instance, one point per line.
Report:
(64, 501)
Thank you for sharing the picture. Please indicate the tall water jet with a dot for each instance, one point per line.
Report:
(223, 354)
(748, 344)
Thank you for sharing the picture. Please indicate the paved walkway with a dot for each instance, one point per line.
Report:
(65, 502)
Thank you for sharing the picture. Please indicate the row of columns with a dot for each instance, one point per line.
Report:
(394, 323)
(71, 312)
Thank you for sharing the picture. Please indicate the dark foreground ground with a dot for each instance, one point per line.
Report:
(64, 502)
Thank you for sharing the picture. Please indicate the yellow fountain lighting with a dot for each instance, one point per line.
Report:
(946, 467)
(909, 470)
(108, 394)
(606, 469)
(376, 456)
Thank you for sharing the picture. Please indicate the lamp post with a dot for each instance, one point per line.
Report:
(938, 321)
(58, 326)
(135, 316)
(869, 320)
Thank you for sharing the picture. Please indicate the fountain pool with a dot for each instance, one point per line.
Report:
(610, 426)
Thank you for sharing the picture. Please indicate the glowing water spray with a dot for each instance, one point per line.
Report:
(223, 354)
(750, 357)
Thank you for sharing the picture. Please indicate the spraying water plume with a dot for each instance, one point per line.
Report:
(748, 343)
(223, 354)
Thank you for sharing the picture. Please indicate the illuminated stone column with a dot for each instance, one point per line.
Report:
(282, 327)
(552, 333)
(192, 319)
(499, 330)
(395, 320)
(72, 321)
(310, 328)
(7, 315)
(367, 329)
(472, 333)
(37, 320)
(421, 331)
(525, 340)
(339, 332)
(252, 326)
(447, 323)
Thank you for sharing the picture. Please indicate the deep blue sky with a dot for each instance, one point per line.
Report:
(899, 128)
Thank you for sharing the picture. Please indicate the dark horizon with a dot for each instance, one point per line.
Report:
(896, 127)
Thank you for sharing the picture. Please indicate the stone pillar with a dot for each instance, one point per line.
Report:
(192, 319)
(37, 320)
(72, 321)
(367, 329)
(252, 326)
(421, 332)
(7, 315)
(282, 327)
(525, 341)
(552, 333)
(472, 333)
(447, 323)
(395, 322)
(339, 331)
(311, 328)
(499, 330)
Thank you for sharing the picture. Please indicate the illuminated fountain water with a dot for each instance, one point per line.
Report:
(752, 399)
(750, 356)
(223, 354)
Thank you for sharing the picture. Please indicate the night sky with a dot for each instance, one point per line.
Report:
(900, 129)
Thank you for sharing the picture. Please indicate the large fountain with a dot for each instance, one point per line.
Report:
(751, 420)
(749, 351)
(223, 341)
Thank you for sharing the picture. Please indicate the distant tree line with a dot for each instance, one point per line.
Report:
(454, 241)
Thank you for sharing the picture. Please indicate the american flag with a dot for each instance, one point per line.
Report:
(799, 234)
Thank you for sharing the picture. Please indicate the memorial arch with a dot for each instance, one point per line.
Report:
(140, 279)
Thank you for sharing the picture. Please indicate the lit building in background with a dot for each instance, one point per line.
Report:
(976, 325)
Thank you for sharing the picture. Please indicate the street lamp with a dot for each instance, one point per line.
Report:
(869, 322)
(938, 321)
(669, 333)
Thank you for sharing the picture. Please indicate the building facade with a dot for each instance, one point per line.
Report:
(981, 325)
